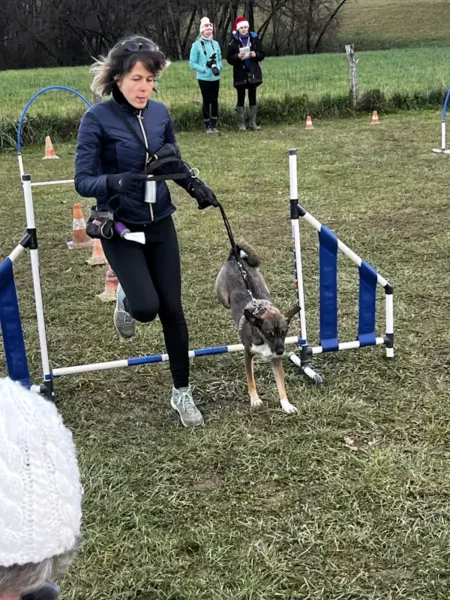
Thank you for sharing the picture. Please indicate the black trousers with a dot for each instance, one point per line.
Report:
(251, 87)
(151, 279)
(210, 95)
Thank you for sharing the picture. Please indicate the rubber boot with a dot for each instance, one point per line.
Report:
(214, 125)
(241, 117)
(252, 117)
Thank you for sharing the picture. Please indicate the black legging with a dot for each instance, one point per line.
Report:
(151, 279)
(251, 94)
(210, 95)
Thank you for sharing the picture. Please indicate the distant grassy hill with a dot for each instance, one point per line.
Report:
(380, 24)
(294, 86)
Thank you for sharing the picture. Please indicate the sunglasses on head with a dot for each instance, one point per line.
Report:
(133, 46)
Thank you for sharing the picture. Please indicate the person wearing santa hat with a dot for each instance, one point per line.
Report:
(244, 54)
(206, 60)
(40, 495)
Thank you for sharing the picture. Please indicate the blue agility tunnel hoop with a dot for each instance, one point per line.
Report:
(329, 243)
(443, 149)
(27, 106)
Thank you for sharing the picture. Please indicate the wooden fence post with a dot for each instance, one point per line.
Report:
(353, 75)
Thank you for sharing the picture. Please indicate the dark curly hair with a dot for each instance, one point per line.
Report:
(121, 60)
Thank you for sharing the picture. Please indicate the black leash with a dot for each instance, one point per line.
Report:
(236, 251)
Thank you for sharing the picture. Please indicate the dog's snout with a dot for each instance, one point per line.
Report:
(279, 350)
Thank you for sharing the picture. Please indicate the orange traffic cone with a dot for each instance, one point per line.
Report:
(309, 124)
(111, 283)
(375, 120)
(98, 256)
(79, 237)
(49, 150)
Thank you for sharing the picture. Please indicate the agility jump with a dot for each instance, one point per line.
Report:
(329, 245)
(443, 149)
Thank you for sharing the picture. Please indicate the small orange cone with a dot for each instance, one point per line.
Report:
(111, 283)
(49, 150)
(79, 237)
(375, 120)
(98, 256)
(309, 124)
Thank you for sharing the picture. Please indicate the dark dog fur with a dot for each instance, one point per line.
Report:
(262, 327)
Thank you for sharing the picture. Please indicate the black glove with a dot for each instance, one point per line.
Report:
(167, 150)
(100, 224)
(125, 182)
(202, 193)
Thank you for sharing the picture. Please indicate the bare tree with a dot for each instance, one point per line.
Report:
(40, 33)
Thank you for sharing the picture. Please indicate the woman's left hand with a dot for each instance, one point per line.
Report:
(202, 193)
(253, 54)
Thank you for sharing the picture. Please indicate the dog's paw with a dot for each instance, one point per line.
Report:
(255, 402)
(287, 407)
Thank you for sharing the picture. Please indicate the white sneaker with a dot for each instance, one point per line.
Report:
(183, 403)
(123, 321)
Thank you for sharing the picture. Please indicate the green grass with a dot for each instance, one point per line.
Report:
(293, 87)
(372, 24)
(257, 505)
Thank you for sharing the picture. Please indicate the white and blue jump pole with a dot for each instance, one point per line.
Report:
(12, 328)
(30, 241)
(329, 245)
(443, 149)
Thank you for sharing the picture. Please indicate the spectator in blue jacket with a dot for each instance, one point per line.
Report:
(118, 141)
(206, 59)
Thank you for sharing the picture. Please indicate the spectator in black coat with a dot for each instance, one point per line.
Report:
(245, 53)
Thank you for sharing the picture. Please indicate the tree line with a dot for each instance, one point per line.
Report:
(50, 33)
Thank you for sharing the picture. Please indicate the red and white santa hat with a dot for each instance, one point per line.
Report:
(238, 23)
(205, 24)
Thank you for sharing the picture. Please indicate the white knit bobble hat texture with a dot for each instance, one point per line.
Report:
(40, 491)
(205, 23)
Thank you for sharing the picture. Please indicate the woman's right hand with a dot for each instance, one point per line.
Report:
(241, 55)
(124, 182)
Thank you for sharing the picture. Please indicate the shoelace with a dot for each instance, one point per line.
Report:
(187, 403)
(127, 317)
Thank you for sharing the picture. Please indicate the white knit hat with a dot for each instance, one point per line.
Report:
(40, 491)
(205, 23)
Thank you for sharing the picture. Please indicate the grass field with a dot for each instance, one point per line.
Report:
(257, 505)
(393, 23)
(415, 76)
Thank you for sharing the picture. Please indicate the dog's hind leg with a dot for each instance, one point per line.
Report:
(277, 366)
(254, 399)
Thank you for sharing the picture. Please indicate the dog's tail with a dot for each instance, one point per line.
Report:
(247, 253)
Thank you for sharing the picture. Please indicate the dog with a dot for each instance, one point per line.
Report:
(261, 326)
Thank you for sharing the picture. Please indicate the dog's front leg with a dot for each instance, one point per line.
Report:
(277, 366)
(254, 399)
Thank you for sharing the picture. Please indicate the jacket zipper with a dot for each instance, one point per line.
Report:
(147, 157)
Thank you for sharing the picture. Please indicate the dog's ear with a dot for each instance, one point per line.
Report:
(290, 313)
(252, 318)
